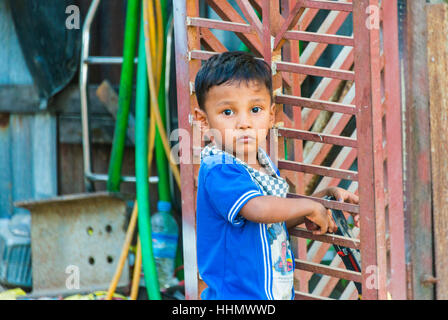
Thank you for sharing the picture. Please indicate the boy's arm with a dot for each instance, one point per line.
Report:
(271, 209)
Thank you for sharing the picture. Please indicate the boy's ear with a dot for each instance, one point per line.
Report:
(201, 117)
(272, 115)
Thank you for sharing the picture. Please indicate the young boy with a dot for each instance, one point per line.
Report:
(242, 211)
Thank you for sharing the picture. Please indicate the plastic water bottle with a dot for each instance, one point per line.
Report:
(165, 233)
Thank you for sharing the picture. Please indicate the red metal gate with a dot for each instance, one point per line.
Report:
(362, 83)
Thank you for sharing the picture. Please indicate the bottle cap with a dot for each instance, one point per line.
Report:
(163, 206)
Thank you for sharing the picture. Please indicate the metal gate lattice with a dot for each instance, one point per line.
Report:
(352, 118)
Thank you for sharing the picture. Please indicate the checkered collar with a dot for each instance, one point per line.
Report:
(272, 184)
(212, 149)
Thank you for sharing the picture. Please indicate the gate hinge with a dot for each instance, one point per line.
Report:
(428, 279)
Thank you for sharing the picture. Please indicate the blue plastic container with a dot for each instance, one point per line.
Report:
(15, 251)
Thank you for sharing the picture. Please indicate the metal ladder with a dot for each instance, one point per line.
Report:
(86, 60)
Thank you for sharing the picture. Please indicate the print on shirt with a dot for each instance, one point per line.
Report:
(282, 260)
(283, 264)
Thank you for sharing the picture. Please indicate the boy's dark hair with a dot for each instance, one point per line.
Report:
(228, 67)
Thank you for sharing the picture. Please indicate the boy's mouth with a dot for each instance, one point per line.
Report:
(246, 139)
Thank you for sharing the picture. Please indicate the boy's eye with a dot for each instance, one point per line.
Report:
(256, 109)
(228, 112)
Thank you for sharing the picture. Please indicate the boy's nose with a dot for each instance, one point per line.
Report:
(244, 122)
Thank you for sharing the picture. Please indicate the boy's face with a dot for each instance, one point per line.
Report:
(238, 117)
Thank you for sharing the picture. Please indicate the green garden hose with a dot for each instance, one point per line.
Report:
(161, 158)
(125, 95)
(141, 168)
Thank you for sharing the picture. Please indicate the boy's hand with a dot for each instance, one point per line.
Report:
(320, 221)
(341, 195)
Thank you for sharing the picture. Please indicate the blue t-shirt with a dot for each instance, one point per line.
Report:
(234, 254)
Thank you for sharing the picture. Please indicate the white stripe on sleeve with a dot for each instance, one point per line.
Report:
(239, 202)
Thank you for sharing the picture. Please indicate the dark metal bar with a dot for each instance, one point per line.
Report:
(221, 25)
(321, 38)
(266, 40)
(365, 154)
(319, 170)
(315, 104)
(329, 271)
(308, 296)
(211, 43)
(272, 142)
(317, 137)
(105, 60)
(294, 149)
(184, 43)
(328, 5)
(348, 207)
(201, 54)
(394, 154)
(315, 71)
(378, 151)
(370, 180)
(204, 55)
(327, 238)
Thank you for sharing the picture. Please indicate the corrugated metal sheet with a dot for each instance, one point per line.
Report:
(27, 160)
(27, 141)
